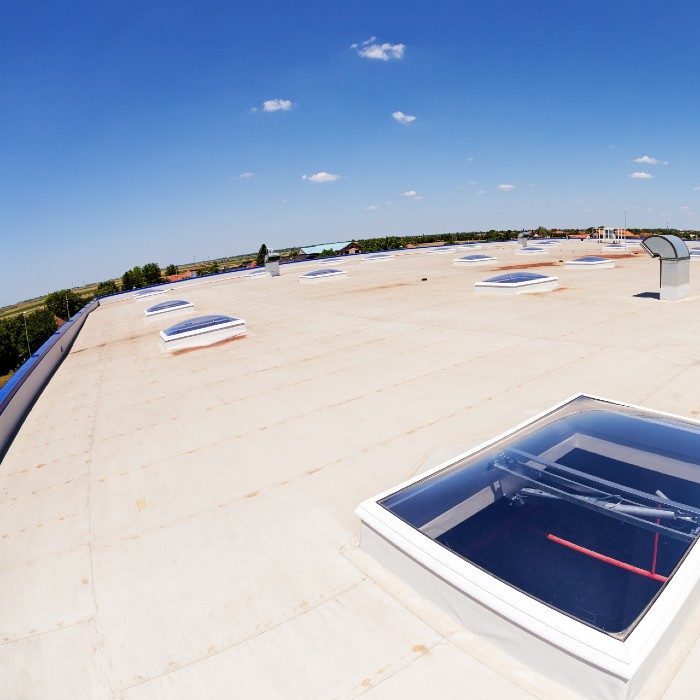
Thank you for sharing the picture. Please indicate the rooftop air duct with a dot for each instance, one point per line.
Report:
(524, 237)
(673, 254)
(272, 264)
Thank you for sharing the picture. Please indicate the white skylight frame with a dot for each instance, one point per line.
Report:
(621, 659)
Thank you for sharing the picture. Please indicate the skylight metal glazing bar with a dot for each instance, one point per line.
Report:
(597, 508)
(654, 498)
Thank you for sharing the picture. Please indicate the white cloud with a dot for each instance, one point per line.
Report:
(246, 176)
(649, 160)
(402, 118)
(412, 194)
(379, 52)
(506, 188)
(373, 207)
(481, 191)
(696, 188)
(321, 177)
(641, 176)
(277, 105)
(470, 159)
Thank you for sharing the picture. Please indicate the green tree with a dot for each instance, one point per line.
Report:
(151, 273)
(64, 303)
(171, 270)
(260, 260)
(210, 269)
(133, 279)
(106, 288)
(327, 253)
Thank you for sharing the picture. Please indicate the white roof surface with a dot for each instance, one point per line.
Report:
(179, 526)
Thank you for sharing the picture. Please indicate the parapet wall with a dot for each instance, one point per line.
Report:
(18, 396)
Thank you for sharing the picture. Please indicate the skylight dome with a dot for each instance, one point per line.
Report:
(473, 260)
(140, 294)
(443, 249)
(619, 247)
(378, 257)
(168, 307)
(469, 246)
(200, 331)
(530, 250)
(257, 273)
(576, 532)
(595, 262)
(517, 282)
(321, 274)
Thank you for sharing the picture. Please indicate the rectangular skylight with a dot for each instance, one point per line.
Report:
(589, 512)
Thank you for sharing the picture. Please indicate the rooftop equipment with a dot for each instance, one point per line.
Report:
(201, 331)
(570, 540)
(378, 257)
(517, 283)
(524, 237)
(674, 258)
(272, 264)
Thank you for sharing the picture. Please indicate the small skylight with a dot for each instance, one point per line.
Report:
(377, 257)
(257, 273)
(202, 330)
(591, 261)
(517, 283)
(168, 306)
(324, 273)
(149, 292)
(579, 527)
(530, 250)
(474, 260)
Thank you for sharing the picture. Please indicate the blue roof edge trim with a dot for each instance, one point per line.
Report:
(25, 370)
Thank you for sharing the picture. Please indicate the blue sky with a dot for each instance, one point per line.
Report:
(126, 127)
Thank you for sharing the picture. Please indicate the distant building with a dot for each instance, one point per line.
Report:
(607, 233)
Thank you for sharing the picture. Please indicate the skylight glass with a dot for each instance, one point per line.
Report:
(516, 277)
(476, 257)
(591, 258)
(591, 511)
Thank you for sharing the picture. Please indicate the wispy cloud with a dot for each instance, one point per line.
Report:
(506, 188)
(321, 177)
(379, 52)
(277, 105)
(649, 160)
(481, 191)
(246, 176)
(696, 188)
(412, 194)
(402, 118)
(641, 176)
(373, 207)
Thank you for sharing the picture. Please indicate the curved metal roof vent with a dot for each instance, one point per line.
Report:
(674, 257)
(666, 247)
(524, 237)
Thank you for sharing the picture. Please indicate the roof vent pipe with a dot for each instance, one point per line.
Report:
(674, 256)
(523, 238)
(272, 264)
